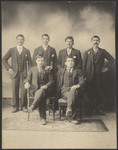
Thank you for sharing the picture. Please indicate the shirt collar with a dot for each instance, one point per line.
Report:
(68, 49)
(96, 49)
(39, 69)
(70, 69)
(19, 47)
(45, 46)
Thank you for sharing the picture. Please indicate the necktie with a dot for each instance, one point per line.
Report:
(69, 71)
(20, 49)
(68, 52)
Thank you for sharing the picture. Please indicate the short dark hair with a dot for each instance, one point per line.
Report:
(69, 37)
(46, 36)
(95, 36)
(20, 36)
(69, 57)
(39, 56)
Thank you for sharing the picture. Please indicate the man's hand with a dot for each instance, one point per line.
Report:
(27, 85)
(74, 87)
(48, 67)
(104, 69)
(44, 87)
(11, 72)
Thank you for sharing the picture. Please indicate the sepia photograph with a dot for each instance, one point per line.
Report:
(58, 74)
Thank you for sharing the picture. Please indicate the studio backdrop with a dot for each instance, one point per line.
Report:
(60, 19)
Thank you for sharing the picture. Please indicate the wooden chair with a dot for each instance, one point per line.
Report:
(50, 103)
(63, 105)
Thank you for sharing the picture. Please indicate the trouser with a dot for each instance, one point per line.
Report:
(95, 95)
(17, 83)
(40, 100)
(70, 97)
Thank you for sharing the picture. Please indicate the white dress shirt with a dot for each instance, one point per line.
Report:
(69, 51)
(70, 70)
(19, 48)
(45, 47)
(40, 70)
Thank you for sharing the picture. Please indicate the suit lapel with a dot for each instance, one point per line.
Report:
(23, 54)
(64, 55)
(44, 74)
(62, 76)
(42, 50)
(99, 53)
(36, 75)
(91, 54)
(48, 52)
(65, 52)
(72, 52)
(74, 73)
(16, 54)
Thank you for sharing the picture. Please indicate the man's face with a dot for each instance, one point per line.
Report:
(69, 62)
(95, 42)
(20, 40)
(69, 43)
(40, 62)
(45, 40)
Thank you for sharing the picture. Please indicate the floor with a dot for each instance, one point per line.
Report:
(47, 139)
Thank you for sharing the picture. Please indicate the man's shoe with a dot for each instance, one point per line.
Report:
(44, 122)
(24, 109)
(15, 110)
(69, 113)
(74, 121)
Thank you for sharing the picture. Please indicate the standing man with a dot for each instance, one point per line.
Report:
(93, 62)
(69, 51)
(48, 52)
(40, 81)
(18, 70)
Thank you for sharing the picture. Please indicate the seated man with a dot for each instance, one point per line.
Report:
(68, 80)
(39, 80)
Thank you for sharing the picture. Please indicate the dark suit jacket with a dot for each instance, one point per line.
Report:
(32, 78)
(76, 54)
(13, 53)
(51, 56)
(88, 63)
(77, 78)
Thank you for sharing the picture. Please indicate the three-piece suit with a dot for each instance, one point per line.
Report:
(76, 54)
(50, 57)
(19, 66)
(65, 80)
(93, 64)
(37, 79)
